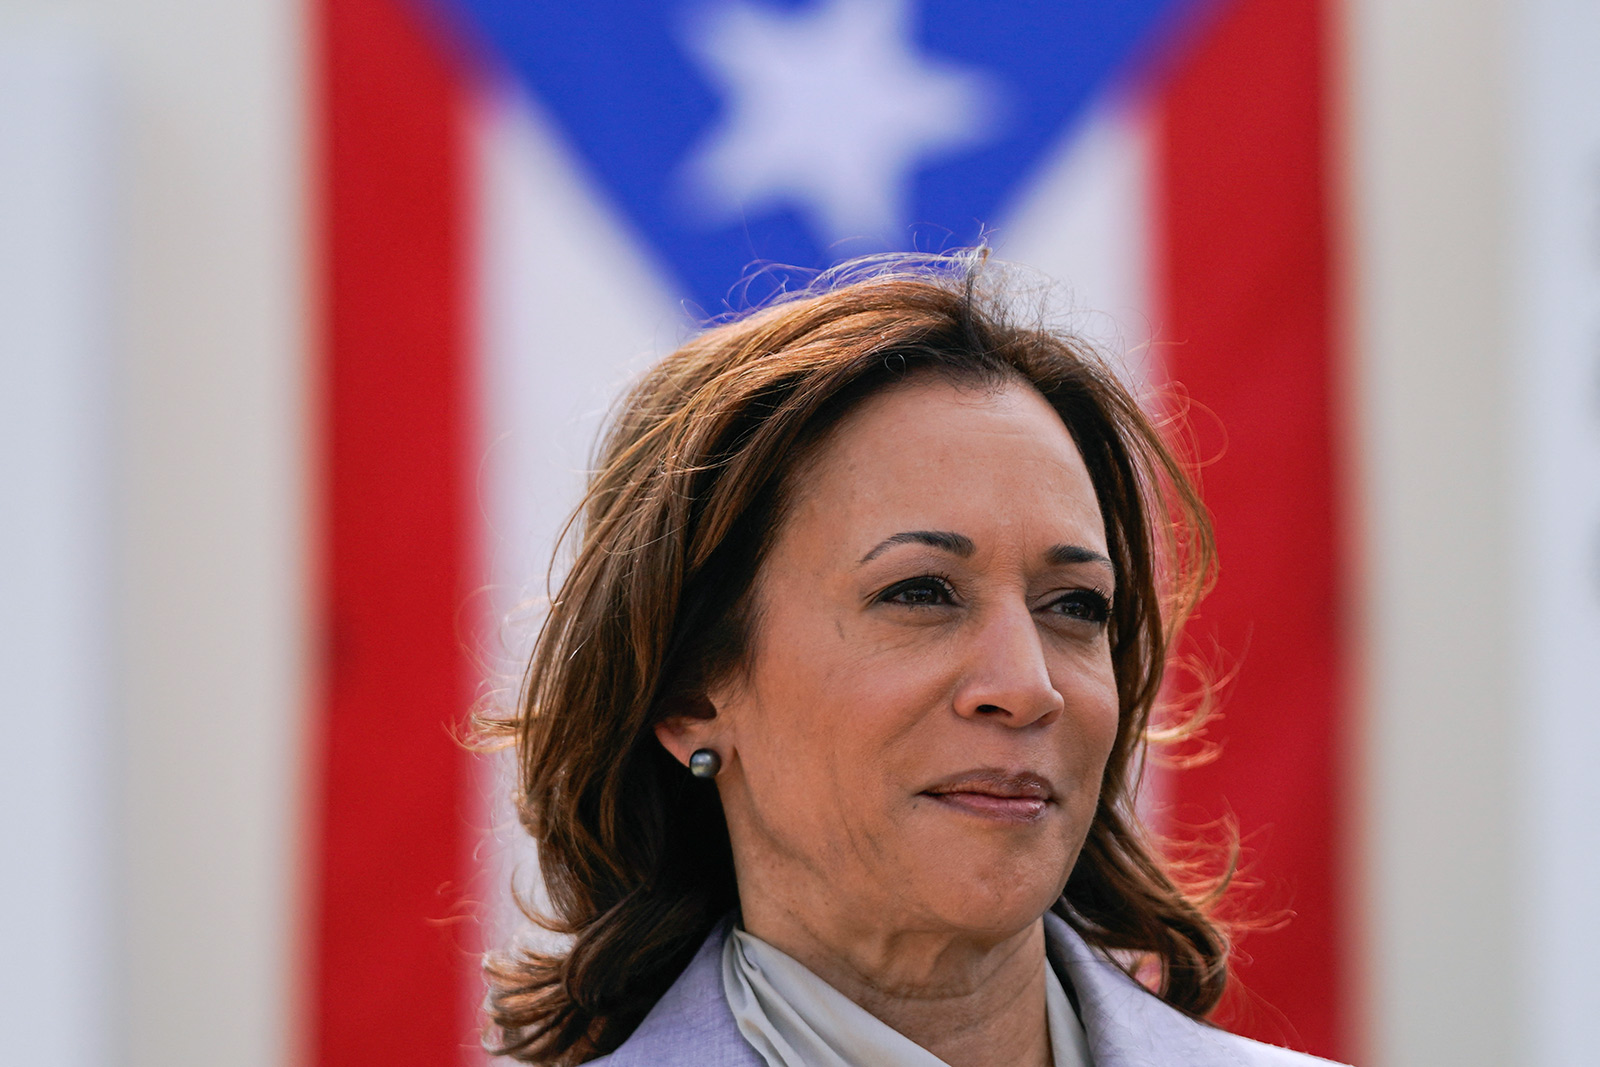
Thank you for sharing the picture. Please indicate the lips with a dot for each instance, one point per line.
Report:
(1007, 796)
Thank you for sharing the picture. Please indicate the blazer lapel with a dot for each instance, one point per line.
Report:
(1128, 1026)
(691, 1025)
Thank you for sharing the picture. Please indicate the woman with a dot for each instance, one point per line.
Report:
(830, 741)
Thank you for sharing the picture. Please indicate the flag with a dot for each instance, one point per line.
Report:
(519, 204)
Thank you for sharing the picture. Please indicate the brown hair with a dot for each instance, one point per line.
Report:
(689, 488)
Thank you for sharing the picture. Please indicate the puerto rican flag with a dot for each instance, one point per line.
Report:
(310, 309)
(523, 203)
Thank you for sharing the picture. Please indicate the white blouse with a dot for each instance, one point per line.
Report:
(795, 1019)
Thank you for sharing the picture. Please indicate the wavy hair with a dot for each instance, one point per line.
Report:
(690, 484)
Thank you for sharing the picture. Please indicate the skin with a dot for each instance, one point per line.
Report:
(877, 745)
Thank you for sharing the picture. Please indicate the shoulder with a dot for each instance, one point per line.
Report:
(1260, 1054)
(1128, 1026)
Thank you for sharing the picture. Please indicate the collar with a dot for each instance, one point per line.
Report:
(1127, 1026)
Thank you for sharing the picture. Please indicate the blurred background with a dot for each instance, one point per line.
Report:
(309, 310)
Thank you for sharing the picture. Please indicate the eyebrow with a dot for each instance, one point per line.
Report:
(961, 545)
(954, 543)
(1060, 555)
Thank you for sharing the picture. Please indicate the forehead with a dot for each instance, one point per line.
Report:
(930, 453)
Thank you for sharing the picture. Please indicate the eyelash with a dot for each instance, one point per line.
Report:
(934, 582)
(1092, 605)
(1095, 604)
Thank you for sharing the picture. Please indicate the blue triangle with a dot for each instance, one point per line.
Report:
(634, 104)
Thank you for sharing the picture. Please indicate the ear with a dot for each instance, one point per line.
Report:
(692, 724)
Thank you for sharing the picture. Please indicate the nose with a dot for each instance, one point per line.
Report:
(1007, 677)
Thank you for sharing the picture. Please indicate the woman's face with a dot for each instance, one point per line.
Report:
(928, 704)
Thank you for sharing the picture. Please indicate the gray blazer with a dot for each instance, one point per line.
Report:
(692, 1025)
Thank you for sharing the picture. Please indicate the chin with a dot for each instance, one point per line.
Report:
(991, 918)
(996, 895)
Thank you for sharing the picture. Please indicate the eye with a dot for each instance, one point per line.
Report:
(1084, 605)
(925, 590)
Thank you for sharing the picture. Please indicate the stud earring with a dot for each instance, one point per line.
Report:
(705, 763)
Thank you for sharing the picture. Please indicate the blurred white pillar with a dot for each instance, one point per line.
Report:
(1473, 141)
(1555, 163)
(1428, 87)
(213, 535)
(57, 1004)
(208, 530)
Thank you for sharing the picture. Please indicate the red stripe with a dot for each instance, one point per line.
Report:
(1244, 275)
(387, 972)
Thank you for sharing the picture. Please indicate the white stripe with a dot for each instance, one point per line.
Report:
(1084, 221)
(568, 310)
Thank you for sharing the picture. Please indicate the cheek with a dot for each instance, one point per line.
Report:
(1108, 715)
(823, 729)
(819, 717)
(1090, 693)
(818, 682)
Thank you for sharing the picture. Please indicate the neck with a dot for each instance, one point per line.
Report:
(971, 1001)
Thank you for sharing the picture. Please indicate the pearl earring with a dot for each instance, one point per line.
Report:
(705, 763)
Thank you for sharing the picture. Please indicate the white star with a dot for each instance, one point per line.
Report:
(830, 110)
